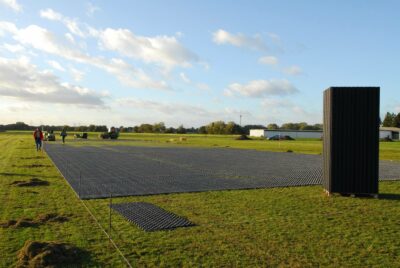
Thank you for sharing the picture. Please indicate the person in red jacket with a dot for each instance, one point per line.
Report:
(38, 136)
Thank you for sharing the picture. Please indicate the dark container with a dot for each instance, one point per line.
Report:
(351, 140)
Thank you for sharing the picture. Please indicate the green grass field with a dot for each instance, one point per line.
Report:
(388, 150)
(281, 227)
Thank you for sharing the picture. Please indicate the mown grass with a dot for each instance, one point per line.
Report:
(17, 160)
(388, 150)
(284, 227)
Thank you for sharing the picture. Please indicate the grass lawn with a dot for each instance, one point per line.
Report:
(287, 227)
(388, 150)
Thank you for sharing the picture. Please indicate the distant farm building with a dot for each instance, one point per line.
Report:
(296, 134)
(384, 132)
(389, 132)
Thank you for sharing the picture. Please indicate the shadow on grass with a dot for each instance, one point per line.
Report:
(22, 175)
(389, 196)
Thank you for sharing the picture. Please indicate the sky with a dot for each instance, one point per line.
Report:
(124, 63)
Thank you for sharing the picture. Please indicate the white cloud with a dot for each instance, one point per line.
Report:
(77, 75)
(285, 110)
(293, 70)
(43, 40)
(56, 65)
(166, 108)
(203, 86)
(269, 60)
(70, 38)
(184, 78)
(240, 40)
(7, 27)
(50, 14)
(261, 88)
(164, 50)
(14, 48)
(276, 103)
(13, 4)
(91, 9)
(71, 24)
(22, 80)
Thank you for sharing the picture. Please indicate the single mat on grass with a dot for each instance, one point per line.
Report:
(150, 217)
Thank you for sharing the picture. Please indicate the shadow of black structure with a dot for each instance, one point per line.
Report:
(351, 140)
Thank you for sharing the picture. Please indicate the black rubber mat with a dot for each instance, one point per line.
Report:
(150, 217)
(97, 172)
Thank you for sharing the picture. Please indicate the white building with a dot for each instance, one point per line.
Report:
(296, 134)
(391, 132)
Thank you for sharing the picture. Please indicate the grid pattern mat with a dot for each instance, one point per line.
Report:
(97, 172)
(150, 217)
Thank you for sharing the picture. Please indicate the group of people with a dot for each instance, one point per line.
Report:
(38, 136)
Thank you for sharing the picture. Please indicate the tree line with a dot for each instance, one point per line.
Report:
(391, 120)
(23, 126)
(216, 127)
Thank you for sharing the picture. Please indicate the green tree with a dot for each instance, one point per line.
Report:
(145, 128)
(181, 130)
(389, 120)
(202, 130)
(159, 127)
(396, 120)
(273, 126)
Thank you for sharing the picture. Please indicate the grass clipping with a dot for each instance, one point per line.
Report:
(49, 254)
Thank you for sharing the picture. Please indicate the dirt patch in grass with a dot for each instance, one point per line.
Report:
(51, 217)
(33, 182)
(21, 223)
(41, 219)
(50, 254)
(33, 157)
(35, 166)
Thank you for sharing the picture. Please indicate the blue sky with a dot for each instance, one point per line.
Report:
(191, 62)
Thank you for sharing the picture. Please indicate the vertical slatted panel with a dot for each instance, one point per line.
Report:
(351, 140)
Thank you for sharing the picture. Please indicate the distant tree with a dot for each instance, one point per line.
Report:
(303, 126)
(202, 130)
(100, 129)
(389, 120)
(145, 128)
(318, 126)
(396, 120)
(273, 126)
(181, 130)
(170, 130)
(159, 127)
(291, 126)
(217, 127)
(135, 129)
(233, 128)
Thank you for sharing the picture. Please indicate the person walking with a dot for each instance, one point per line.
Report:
(63, 134)
(38, 136)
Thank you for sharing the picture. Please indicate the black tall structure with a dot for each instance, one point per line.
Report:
(351, 140)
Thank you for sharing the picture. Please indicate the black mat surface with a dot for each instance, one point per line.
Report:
(95, 172)
(150, 217)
